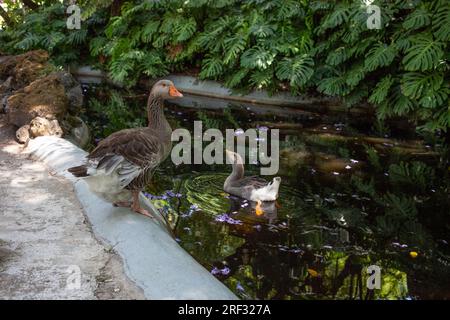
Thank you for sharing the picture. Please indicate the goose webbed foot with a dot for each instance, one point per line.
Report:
(258, 209)
(142, 211)
(136, 206)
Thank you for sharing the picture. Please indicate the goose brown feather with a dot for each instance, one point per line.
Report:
(127, 159)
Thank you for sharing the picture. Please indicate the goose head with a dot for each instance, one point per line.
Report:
(234, 158)
(165, 89)
(274, 185)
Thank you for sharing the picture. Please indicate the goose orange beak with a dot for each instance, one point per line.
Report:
(173, 92)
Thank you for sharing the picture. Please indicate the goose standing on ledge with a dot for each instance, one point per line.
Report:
(251, 188)
(123, 163)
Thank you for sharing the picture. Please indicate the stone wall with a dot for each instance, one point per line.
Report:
(39, 99)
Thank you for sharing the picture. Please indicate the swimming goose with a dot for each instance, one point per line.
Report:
(123, 163)
(251, 188)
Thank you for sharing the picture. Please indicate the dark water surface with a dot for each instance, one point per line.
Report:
(354, 193)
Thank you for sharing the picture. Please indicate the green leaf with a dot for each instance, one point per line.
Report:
(435, 98)
(441, 21)
(424, 54)
(149, 30)
(336, 17)
(415, 84)
(339, 56)
(399, 103)
(262, 30)
(297, 70)
(212, 68)
(257, 57)
(415, 174)
(234, 46)
(381, 90)
(334, 86)
(185, 29)
(261, 78)
(355, 75)
(381, 55)
(236, 78)
(417, 19)
(153, 65)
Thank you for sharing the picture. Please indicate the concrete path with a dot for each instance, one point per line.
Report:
(47, 249)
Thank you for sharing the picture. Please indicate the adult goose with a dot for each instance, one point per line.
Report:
(251, 188)
(123, 163)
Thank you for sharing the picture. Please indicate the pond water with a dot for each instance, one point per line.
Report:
(355, 193)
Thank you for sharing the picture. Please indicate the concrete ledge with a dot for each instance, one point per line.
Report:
(153, 259)
(217, 91)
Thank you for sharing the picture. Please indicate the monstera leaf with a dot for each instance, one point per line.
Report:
(441, 21)
(418, 19)
(381, 90)
(424, 54)
(415, 84)
(380, 55)
(297, 70)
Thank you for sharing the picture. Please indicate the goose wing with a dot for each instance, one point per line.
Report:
(253, 182)
(130, 151)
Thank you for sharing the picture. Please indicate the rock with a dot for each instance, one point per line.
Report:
(23, 134)
(42, 98)
(6, 86)
(25, 68)
(77, 131)
(73, 90)
(5, 91)
(33, 95)
(44, 127)
(39, 127)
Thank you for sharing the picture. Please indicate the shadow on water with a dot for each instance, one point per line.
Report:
(354, 194)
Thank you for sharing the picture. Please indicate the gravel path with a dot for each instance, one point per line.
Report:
(47, 249)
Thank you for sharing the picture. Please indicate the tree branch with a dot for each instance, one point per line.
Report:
(30, 4)
(5, 16)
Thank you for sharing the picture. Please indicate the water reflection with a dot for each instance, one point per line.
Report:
(350, 198)
(317, 241)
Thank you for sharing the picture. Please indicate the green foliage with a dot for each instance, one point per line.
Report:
(404, 61)
(401, 68)
(414, 174)
(114, 114)
(46, 29)
(297, 70)
(424, 54)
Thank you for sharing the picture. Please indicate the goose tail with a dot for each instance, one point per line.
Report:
(79, 171)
